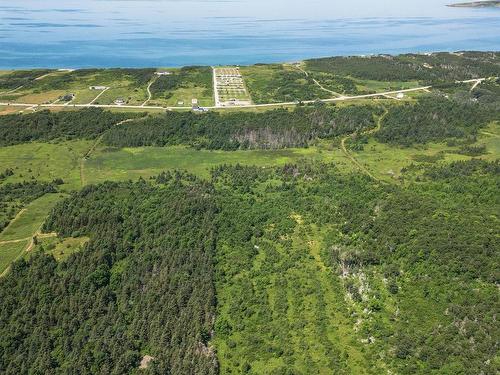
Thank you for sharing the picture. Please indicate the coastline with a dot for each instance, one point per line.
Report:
(476, 4)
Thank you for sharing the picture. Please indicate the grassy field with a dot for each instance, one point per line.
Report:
(386, 161)
(377, 86)
(14, 239)
(10, 252)
(30, 220)
(45, 161)
(182, 86)
(48, 89)
(5, 110)
(132, 163)
(275, 83)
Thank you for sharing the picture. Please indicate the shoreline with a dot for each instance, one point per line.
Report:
(291, 61)
(476, 4)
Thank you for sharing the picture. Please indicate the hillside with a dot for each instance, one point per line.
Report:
(350, 237)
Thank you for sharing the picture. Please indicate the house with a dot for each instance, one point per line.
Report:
(120, 101)
(400, 95)
(194, 103)
(97, 88)
(163, 73)
(200, 109)
(67, 97)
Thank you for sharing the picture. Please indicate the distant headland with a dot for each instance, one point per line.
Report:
(477, 4)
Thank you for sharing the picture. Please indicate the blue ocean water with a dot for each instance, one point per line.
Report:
(137, 33)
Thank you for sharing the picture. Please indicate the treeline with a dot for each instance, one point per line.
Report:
(245, 130)
(459, 169)
(45, 125)
(15, 196)
(428, 68)
(143, 286)
(434, 118)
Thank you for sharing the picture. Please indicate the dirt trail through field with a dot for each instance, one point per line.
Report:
(15, 218)
(317, 83)
(150, 95)
(14, 241)
(92, 148)
(352, 158)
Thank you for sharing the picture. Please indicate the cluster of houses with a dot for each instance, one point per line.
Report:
(230, 87)
(121, 101)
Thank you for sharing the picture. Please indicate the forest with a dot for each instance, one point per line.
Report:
(426, 68)
(264, 271)
(45, 125)
(438, 119)
(142, 286)
(244, 130)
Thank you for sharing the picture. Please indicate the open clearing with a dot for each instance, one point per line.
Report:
(386, 161)
(60, 248)
(132, 163)
(16, 238)
(46, 161)
(30, 220)
(9, 252)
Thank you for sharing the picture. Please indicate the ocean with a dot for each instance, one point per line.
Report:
(168, 33)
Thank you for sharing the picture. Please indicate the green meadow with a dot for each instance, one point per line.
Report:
(132, 163)
(45, 161)
(386, 161)
(11, 251)
(30, 220)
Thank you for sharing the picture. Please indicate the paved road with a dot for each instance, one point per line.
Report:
(343, 98)
(331, 100)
